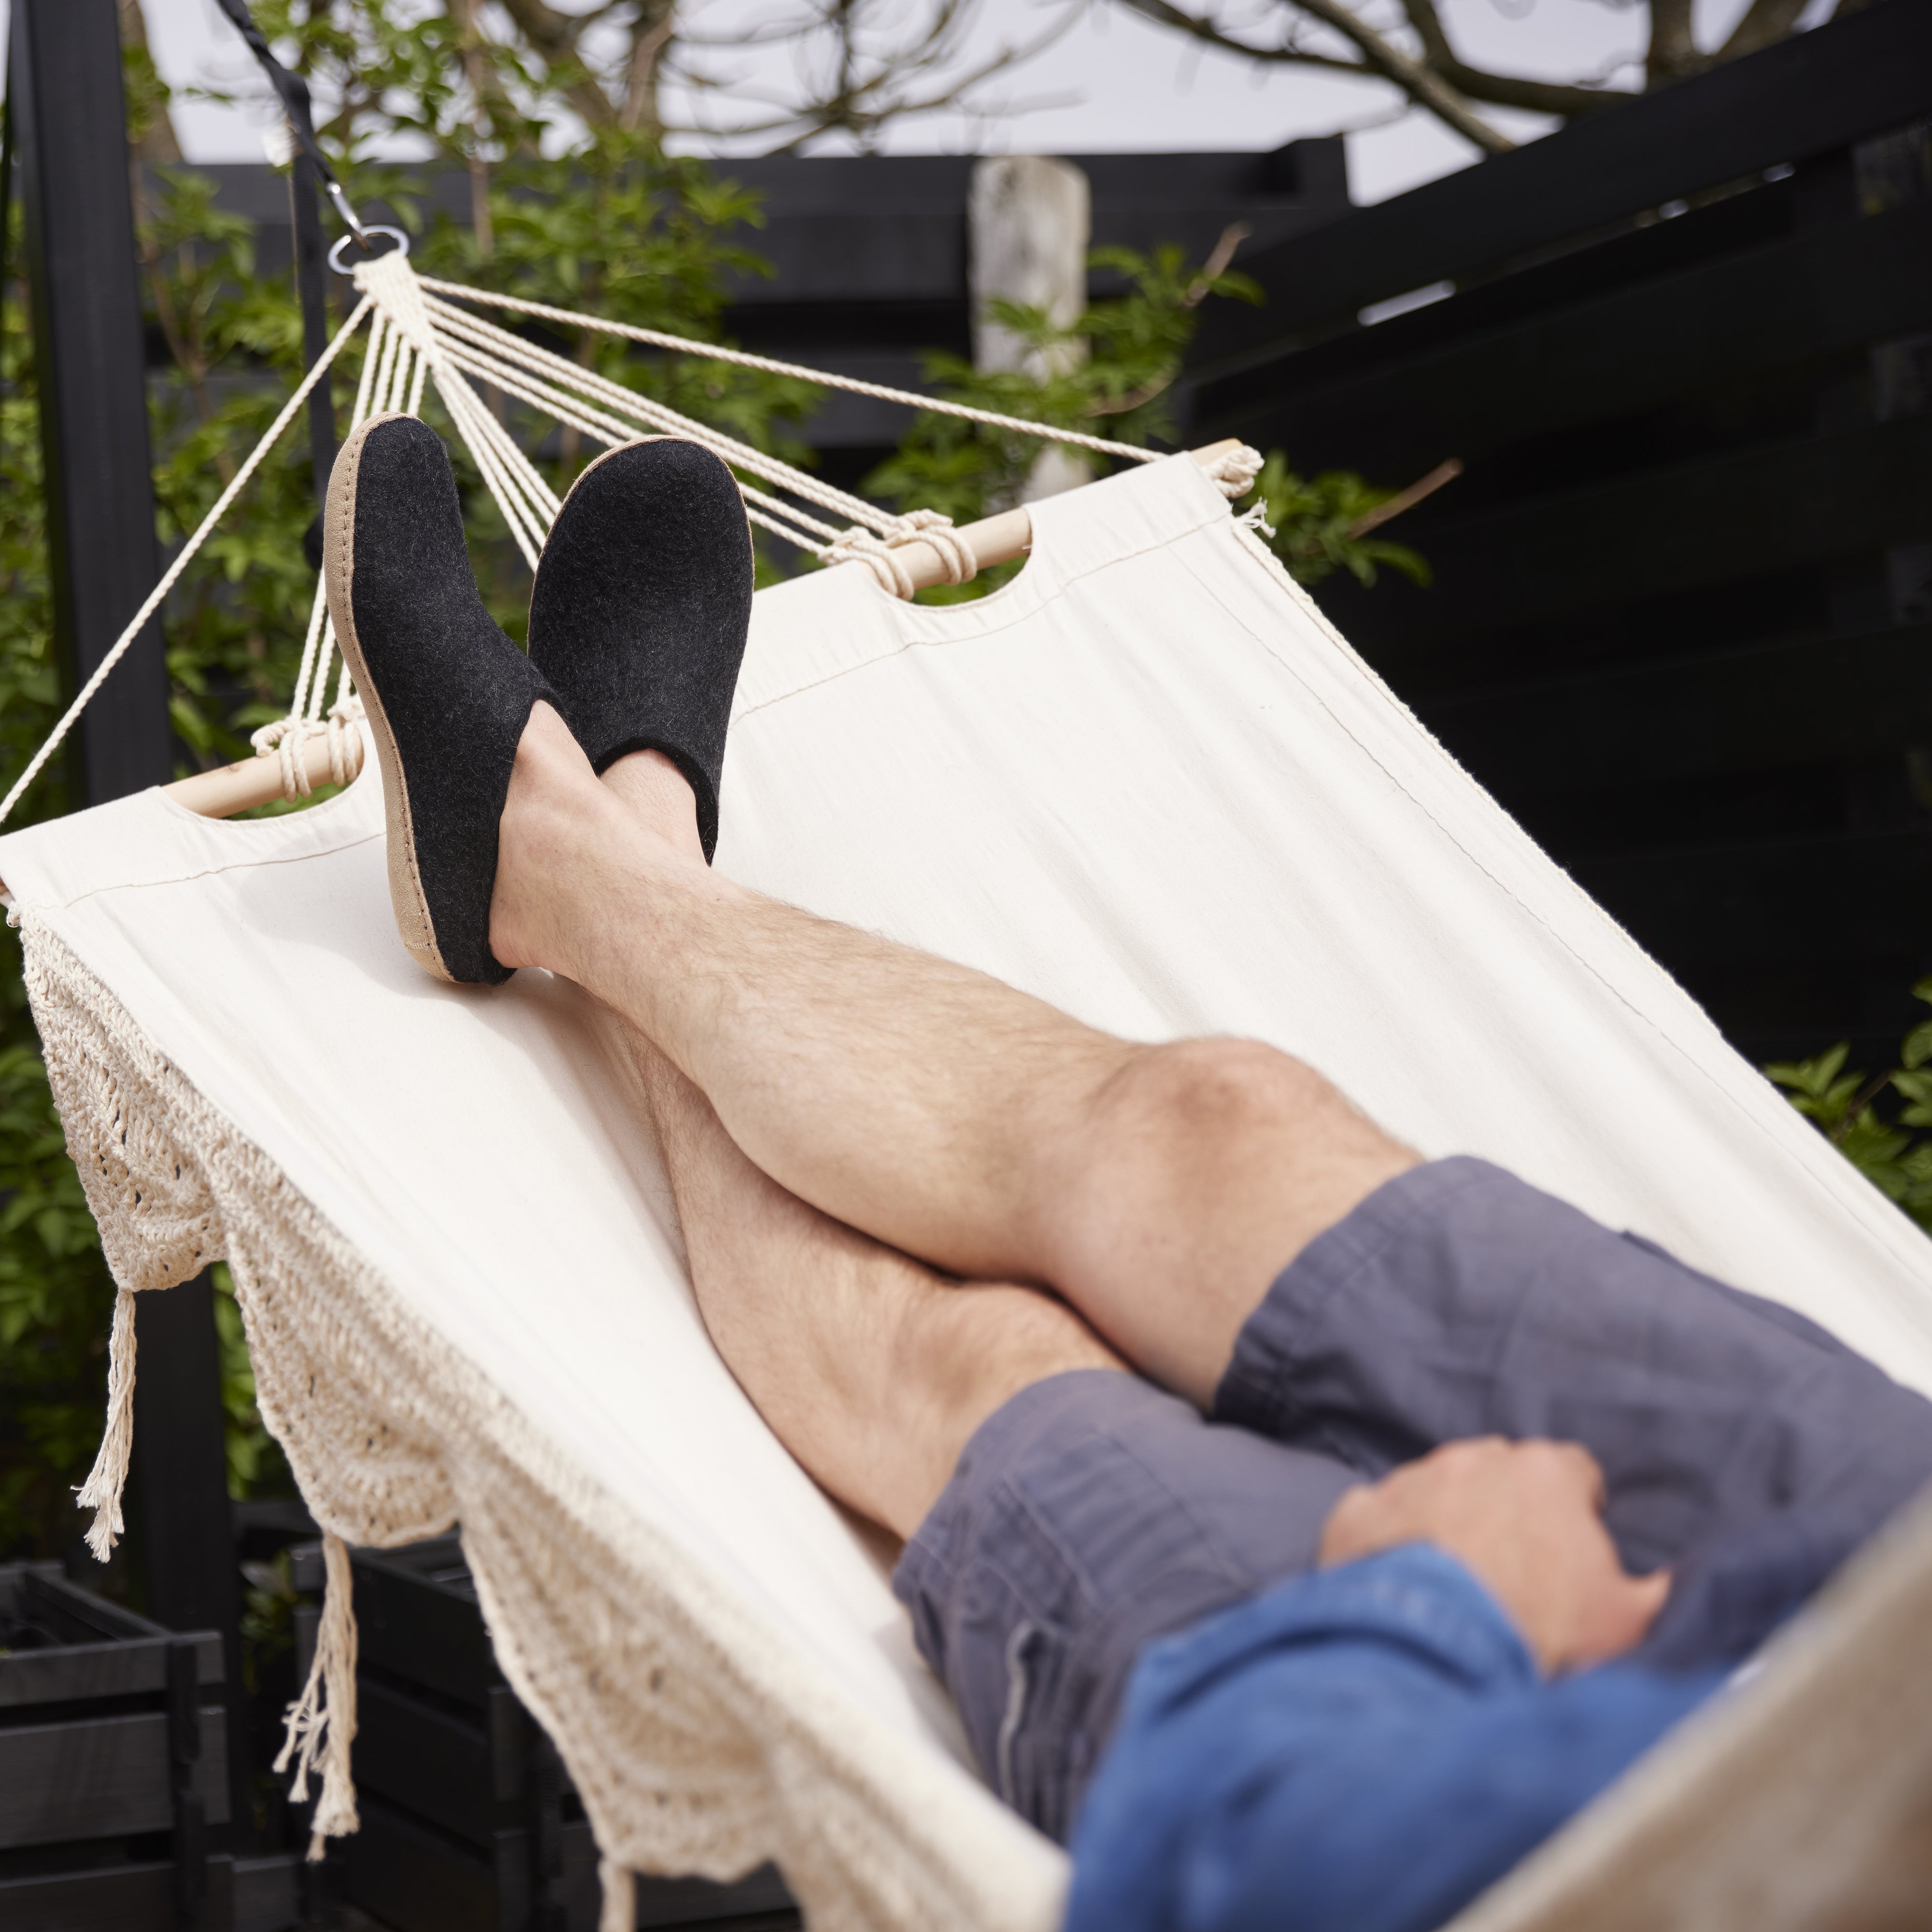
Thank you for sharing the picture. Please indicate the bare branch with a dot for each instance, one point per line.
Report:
(1216, 266)
(1407, 499)
(1380, 56)
(1564, 98)
(1766, 22)
(555, 38)
(869, 85)
(1673, 43)
(650, 33)
(1500, 90)
(1287, 53)
(158, 146)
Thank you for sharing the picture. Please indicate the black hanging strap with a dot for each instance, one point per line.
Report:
(311, 167)
(293, 91)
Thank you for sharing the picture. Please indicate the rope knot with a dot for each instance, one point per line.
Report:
(391, 284)
(926, 526)
(1235, 472)
(287, 737)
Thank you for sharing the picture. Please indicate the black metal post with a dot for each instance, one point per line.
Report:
(65, 76)
(66, 65)
(181, 1507)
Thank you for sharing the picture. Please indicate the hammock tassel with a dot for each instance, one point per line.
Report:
(101, 1491)
(620, 1896)
(321, 1723)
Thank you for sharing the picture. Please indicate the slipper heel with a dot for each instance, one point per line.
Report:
(446, 694)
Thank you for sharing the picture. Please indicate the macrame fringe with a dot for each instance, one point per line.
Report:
(321, 1723)
(101, 1491)
(620, 1896)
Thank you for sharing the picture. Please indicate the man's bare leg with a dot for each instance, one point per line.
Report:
(873, 1371)
(1159, 1189)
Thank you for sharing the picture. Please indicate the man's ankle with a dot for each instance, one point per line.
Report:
(550, 784)
(652, 789)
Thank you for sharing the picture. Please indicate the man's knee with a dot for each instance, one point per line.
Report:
(1197, 1094)
(1174, 1126)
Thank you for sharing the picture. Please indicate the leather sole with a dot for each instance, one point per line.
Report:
(406, 890)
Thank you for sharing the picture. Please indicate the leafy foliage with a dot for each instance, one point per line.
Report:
(1316, 522)
(1844, 1106)
(1110, 373)
(613, 225)
(55, 1299)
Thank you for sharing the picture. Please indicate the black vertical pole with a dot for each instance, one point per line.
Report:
(65, 76)
(311, 270)
(66, 59)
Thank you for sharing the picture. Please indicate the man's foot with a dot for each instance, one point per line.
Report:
(447, 694)
(639, 614)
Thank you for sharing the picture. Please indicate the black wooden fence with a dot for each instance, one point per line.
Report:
(1682, 623)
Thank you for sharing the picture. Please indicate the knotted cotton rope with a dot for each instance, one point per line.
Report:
(880, 554)
(172, 575)
(418, 338)
(101, 1491)
(321, 1723)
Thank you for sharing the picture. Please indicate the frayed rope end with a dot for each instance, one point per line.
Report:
(320, 1724)
(620, 1912)
(101, 1491)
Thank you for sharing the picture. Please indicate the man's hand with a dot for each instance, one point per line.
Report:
(1525, 1518)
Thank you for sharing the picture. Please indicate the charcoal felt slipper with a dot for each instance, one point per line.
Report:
(642, 602)
(447, 695)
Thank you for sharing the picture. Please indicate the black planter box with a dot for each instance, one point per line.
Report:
(113, 1767)
(470, 1822)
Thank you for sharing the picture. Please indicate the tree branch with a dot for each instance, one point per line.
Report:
(1382, 59)
(1766, 22)
(1500, 90)
(650, 33)
(1673, 43)
(554, 37)
(1560, 98)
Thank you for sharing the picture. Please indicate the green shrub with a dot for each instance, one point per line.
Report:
(1844, 1107)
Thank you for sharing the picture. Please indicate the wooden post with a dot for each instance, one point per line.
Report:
(1029, 219)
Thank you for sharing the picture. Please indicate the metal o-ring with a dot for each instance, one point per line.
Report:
(401, 241)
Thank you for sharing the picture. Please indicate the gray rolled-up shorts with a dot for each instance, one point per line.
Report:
(1741, 1445)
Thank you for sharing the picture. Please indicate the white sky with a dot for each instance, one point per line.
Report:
(1116, 83)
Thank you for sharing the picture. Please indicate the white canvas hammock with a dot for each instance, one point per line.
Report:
(1145, 780)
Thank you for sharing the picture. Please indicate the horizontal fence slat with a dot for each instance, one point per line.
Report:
(431, 1762)
(102, 1778)
(424, 1634)
(123, 1898)
(1817, 91)
(1822, 292)
(1801, 701)
(1797, 902)
(1805, 500)
(77, 1671)
(405, 1875)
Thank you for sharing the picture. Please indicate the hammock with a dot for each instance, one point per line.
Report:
(1145, 780)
